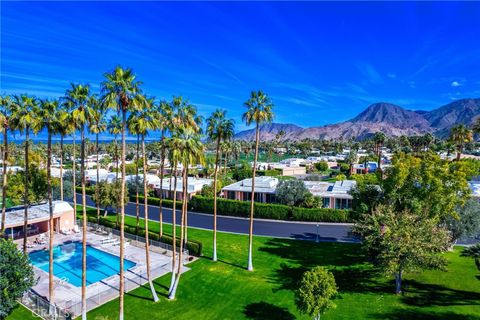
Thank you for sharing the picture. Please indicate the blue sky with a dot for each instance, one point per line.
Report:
(320, 62)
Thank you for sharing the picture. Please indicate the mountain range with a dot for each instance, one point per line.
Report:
(388, 118)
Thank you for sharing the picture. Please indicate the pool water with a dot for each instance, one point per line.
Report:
(67, 263)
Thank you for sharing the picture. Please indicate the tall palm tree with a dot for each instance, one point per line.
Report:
(47, 114)
(476, 126)
(122, 92)
(115, 127)
(97, 126)
(146, 119)
(5, 112)
(259, 111)
(133, 125)
(164, 115)
(190, 151)
(64, 126)
(460, 135)
(24, 119)
(79, 98)
(219, 129)
(379, 139)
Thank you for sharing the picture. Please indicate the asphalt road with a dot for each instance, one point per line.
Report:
(327, 232)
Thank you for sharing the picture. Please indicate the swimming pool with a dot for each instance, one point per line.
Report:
(67, 263)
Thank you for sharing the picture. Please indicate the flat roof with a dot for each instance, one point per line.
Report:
(38, 213)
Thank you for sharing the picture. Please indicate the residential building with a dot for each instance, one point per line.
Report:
(194, 186)
(362, 168)
(334, 195)
(475, 187)
(38, 219)
(265, 188)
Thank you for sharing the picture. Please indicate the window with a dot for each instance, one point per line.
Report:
(326, 202)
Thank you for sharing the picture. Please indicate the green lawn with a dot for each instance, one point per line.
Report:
(225, 290)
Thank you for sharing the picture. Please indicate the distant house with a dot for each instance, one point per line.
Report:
(334, 195)
(153, 181)
(194, 186)
(362, 168)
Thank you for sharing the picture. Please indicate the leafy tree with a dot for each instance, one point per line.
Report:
(365, 179)
(365, 198)
(317, 288)
(108, 196)
(468, 222)
(474, 252)
(244, 171)
(37, 186)
(321, 166)
(291, 192)
(340, 177)
(402, 241)
(427, 185)
(16, 276)
(460, 135)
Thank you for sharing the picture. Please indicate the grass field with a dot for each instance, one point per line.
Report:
(225, 290)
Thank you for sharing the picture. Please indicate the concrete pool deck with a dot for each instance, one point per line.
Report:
(68, 297)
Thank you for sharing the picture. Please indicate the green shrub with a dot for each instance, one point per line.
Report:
(320, 215)
(88, 190)
(156, 201)
(269, 173)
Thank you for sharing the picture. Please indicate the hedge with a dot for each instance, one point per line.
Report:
(194, 247)
(88, 190)
(268, 210)
(320, 215)
(156, 201)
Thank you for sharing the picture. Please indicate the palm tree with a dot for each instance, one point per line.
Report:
(64, 126)
(5, 113)
(122, 92)
(190, 151)
(133, 124)
(146, 119)
(47, 114)
(97, 126)
(379, 139)
(24, 119)
(460, 135)
(80, 99)
(476, 126)
(219, 129)
(164, 115)
(115, 127)
(259, 110)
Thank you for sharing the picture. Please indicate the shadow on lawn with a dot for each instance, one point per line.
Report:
(424, 295)
(265, 311)
(418, 314)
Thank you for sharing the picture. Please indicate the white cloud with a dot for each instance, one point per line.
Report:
(392, 75)
(455, 84)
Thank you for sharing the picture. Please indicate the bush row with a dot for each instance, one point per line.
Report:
(194, 247)
(156, 201)
(88, 190)
(268, 210)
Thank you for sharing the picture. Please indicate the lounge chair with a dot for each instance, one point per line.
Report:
(30, 245)
(66, 231)
(76, 229)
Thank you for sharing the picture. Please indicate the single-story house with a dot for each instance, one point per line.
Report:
(38, 219)
(334, 195)
(242, 190)
(194, 186)
(362, 168)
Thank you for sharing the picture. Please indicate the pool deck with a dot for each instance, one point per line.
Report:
(68, 296)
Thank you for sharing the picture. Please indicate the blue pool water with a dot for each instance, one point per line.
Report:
(67, 263)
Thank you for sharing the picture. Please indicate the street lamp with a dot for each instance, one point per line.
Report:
(317, 239)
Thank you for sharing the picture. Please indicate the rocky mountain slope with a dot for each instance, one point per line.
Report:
(388, 118)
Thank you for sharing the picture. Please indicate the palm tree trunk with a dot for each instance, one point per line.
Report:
(137, 204)
(116, 178)
(25, 195)
(61, 167)
(252, 202)
(84, 229)
(4, 179)
(145, 213)
(184, 205)
(162, 167)
(215, 175)
(174, 226)
(50, 222)
(122, 215)
(173, 290)
(74, 170)
(98, 178)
